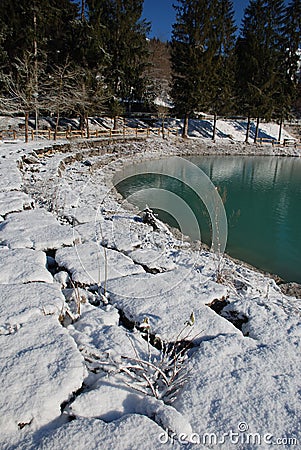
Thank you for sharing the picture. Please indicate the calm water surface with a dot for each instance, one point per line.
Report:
(262, 198)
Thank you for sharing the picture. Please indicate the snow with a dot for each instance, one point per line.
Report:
(10, 177)
(109, 400)
(153, 259)
(131, 432)
(40, 364)
(231, 375)
(234, 381)
(233, 130)
(111, 232)
(51, 369)
(168, 299)
(90, 263)
(62, 278)
(23, 265)
(115, 237)
(13, 201)
(19, 302)
(36, 229)
(97, 332)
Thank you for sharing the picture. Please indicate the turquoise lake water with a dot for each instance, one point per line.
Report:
(262, 199)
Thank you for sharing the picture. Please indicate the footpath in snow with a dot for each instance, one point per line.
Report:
(115, 333)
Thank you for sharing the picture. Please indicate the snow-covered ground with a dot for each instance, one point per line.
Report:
(115, 334)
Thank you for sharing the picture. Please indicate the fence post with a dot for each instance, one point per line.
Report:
(32, 135)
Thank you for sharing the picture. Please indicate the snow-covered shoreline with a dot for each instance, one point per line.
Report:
(246, 358)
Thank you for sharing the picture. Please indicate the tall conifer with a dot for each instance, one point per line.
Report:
(292, 49)
(202, 38)
(260, 75)
(122, 32)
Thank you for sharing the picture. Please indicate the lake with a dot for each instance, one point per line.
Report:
(262, 200)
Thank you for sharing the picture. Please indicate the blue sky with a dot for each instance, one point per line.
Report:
(161, 14)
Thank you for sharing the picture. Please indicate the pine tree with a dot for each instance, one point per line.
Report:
(291, 47)
(120, 30)
(260, 74)
(57, 28)
(16, 17)
(222, 83)
(49, 23)
(202, 38)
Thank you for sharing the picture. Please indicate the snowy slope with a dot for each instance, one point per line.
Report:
(93, 382)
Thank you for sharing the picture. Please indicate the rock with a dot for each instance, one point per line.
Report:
(130, 432)
(40, 364)
(291, 289)
(14, 201)
(23, 265)
(36, 229)
(167, 300)
(20, 301)
(92, 264)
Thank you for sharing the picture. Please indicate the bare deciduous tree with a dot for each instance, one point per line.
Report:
(69, 90)
(60, 90)
(20, 89)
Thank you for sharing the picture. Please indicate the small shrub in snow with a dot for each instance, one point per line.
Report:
(160, 376)
(160, 372)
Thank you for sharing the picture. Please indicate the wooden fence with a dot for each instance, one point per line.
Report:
(121, 133)
(286, 142)
(125, 132)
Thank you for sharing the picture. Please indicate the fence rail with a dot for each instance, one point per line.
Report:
(286, 142)
(268, 141)
(125, 132)
(78, 134)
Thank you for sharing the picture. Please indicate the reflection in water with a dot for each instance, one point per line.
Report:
(262, 198)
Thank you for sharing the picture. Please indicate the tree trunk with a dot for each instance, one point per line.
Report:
(36, 72)
(214, 127)
(26, 126)
(87, 126)
(280, 129)
(185, 127)
(115, 125)
(257, 130)
(163, 128)
(248, 129)
(82, 121)
(56, 125)
(83, 11)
